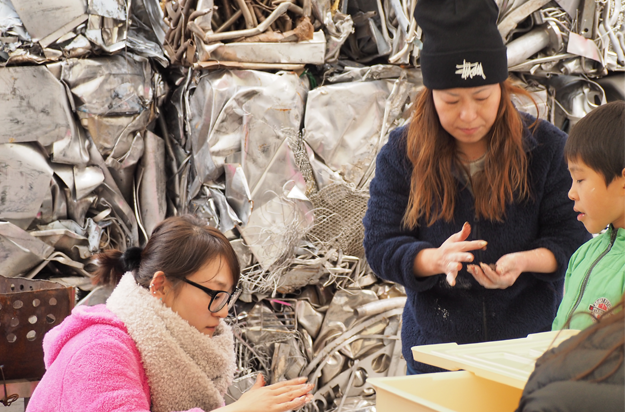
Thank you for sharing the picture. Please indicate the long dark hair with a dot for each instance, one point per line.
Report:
(432, 152)
(179, 246)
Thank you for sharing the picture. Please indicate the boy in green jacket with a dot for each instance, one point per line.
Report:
(595, 278)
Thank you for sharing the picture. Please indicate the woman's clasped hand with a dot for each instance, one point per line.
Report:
(279, 397)
(504, 273)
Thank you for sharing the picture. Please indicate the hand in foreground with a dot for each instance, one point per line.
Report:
(508, 268)
(279, 397)
(454, 251)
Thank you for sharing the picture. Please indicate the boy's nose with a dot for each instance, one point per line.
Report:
(572, 194)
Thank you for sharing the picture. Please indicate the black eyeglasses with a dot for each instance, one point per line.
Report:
(219, 298)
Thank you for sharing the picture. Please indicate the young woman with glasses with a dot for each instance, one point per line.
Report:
(159, 343)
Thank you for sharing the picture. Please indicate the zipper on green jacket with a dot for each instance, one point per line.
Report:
(587, 277)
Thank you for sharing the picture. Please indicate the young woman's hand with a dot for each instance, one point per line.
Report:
(508, 268)
(449, 257)
(279, 397)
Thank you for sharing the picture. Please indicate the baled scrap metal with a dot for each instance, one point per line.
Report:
(194, 26)
(19, 251)
(340, 316)
(335, 131)
(25, 115)
(34, 196)
(574, 98)
(114, 98)
(304, 52)
(146, 33)
(80, 27)
(228, 218)
(86, 179)
(277, 225)
(351, 387)
(241, 113)
(24, 182)
(92, 231)
(560, 35)
(54, 206)
(381, 29)
(338, 28)
(280, 34)
(151, 183)
(72, 244)
(47, 21)
(12, 32)
(107, 197)
(115, 85)
(237, 191)
(277, 343)
(114, 9)
(381, 360)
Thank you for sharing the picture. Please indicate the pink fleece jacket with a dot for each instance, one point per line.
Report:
(92, 364)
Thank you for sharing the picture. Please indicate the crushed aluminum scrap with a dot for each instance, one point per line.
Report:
(32, 31)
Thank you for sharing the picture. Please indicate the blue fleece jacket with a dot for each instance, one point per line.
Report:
(467, 313)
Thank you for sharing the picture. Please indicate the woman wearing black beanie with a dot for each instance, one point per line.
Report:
(470, 171)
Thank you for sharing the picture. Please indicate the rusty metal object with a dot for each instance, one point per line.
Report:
(28, 310)
(7, 399)
(201, 25)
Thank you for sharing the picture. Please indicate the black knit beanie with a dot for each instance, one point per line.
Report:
(461, 44)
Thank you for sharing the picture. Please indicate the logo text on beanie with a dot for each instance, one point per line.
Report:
(469, 70)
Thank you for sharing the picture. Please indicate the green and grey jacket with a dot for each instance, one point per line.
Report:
(594, 280)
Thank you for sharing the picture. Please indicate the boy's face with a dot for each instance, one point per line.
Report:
(598, 205)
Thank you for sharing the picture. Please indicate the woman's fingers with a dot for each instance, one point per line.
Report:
(490, 273)
(297, 402)
(291, 382)
(292, 389)
(460, 257)
(472, 245)
(480, 277)
(451, 278)
(462, 235)
(260, 382)
(489, 278)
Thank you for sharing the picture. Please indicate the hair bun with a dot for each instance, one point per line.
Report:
(131, 259)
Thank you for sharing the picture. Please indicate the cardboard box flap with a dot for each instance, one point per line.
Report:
(507, 361)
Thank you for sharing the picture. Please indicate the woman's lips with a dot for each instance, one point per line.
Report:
(469, 131)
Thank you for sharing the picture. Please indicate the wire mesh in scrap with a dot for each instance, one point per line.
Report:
(262, 324)
(264, 335)
(339, 210)
(298, 147)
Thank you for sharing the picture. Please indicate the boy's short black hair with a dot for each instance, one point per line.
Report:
(598, 140)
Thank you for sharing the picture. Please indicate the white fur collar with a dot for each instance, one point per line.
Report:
(185, 368)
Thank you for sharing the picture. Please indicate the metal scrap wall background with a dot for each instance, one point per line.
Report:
(264, 118)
